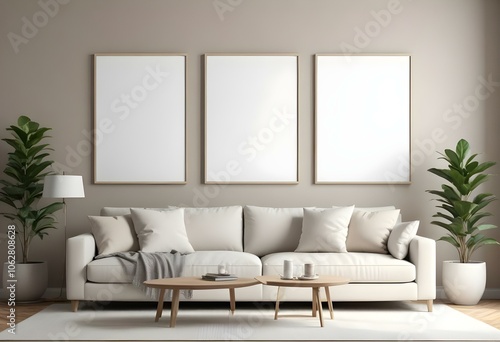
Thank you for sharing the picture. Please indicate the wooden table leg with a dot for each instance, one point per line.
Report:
(175, 307)
(159, 308)
(318, 304)
(330, 305)
(232, 301)
(314, 307)
(277, 306)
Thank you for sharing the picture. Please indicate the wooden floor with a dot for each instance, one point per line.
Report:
(487, 311)
(23, 311)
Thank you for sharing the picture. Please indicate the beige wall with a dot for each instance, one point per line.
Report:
(453, 44)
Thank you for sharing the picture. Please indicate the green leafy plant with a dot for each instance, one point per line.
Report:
(26, 168)
(461, 211)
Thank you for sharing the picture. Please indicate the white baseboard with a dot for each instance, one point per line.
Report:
(52, 293)
(489, 293)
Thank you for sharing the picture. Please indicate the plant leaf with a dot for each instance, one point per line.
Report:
(23, 120)
(450, 239)
(462, 148)
(486, 226)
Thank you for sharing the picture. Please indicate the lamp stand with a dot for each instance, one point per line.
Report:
(64, 243)
(63, 186)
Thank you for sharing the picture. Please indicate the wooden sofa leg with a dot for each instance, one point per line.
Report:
(74, 305)
(429, 305)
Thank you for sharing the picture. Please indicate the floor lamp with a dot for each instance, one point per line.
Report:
(63, 186)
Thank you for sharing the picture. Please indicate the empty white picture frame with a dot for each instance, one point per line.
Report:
(251, 119)
(140, 118)
(362, 119)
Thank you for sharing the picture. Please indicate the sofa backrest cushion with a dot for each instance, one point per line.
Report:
(116, 211)
(271, 230)
(208, 229)
(217, 228)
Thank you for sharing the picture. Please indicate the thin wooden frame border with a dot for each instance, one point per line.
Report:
(409, 166)
(205, 60)
(95, 119)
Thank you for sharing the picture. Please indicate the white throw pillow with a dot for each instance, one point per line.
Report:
(400, 238)
(324, 230)
(369, 230)
(215, 229)
(114, 234)
(272, 230)
(161, 231)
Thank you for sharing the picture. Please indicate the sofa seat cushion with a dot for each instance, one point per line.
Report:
(242, 264)
(358, 267)
(110, 270)
(117, 270)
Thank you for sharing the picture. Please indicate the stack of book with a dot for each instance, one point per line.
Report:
(218, 277)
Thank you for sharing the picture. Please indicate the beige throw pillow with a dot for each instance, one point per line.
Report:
(324, 230)
(114, 234)
(400, 238)
(369, 231)
(161, 231)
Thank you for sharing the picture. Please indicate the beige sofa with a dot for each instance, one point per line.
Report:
(256, 240)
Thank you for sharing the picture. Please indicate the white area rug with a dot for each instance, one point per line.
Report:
(398, 321)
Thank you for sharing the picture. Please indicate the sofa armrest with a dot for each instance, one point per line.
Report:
(422, 254)
(80, 250)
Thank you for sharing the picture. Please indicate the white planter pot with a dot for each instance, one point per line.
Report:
(31, 284)
(464, 283)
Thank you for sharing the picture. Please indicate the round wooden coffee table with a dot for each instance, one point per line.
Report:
(193, 283)
(315, 285)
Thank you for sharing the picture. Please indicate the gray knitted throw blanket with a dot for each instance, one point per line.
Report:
(153, 266)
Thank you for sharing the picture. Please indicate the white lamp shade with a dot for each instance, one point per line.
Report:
(63, 186)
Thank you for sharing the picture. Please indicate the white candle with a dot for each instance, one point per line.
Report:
(288, 269)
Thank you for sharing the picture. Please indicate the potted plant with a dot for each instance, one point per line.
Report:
(27, 165)
(461, 214)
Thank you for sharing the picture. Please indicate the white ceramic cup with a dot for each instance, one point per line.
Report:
(288, 269)
(222, 269)
(309, 270)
